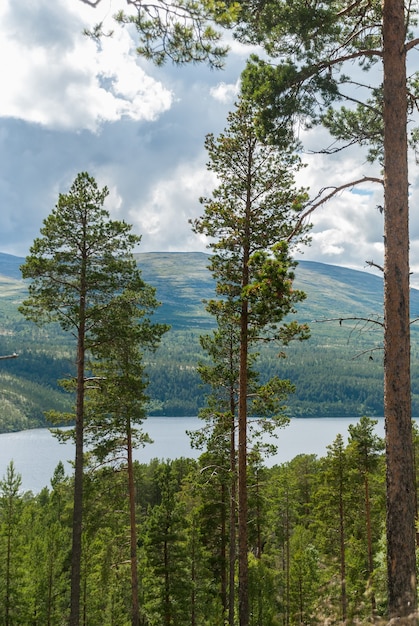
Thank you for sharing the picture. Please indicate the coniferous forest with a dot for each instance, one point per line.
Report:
(316, 540)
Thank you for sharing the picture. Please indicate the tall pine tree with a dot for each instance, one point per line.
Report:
(252, 217)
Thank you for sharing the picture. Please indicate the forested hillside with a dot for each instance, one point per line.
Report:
(337, 372)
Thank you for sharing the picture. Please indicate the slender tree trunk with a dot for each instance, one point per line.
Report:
(223, 548)
(259, 550)
(397, 400)
(78, 482)
(233, 495)
(135, 609)
(242, 452)
(369, 540)
(343, 598)
(242, 471)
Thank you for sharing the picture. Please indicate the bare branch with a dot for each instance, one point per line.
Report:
(350, 8)
(368, 320)
(411, 44)
(372, 264)
(369, 351)
(315, 204)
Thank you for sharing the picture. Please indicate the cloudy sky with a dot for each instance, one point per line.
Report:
(68, 106)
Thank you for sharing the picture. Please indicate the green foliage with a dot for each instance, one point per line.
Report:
(79, 243)
(309, 49)
(181, 513)
(115, 393)
(85, 278)
(11, 587)
(251, 219)
(182, 33)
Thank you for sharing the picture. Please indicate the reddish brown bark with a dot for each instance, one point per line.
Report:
(76, 548)
(397, 399)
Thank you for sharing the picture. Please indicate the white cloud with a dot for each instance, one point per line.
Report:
(66, 81)
(69, 106)
(225, 92)
(163, 217)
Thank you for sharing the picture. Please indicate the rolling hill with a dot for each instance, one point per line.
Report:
(338, 371)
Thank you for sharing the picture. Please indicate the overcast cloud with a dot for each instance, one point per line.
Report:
(69, 106)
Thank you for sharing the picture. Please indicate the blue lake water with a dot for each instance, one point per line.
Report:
(36, 453)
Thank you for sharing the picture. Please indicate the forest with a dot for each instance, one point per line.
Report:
(316, 540)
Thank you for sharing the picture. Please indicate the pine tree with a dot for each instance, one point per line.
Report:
(76, 267)
(312, 49)
(366, 447)
(252, 216)
(10, 545)
(116, 400)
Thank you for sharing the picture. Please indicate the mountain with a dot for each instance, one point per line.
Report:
(337, 372)
(182, 281)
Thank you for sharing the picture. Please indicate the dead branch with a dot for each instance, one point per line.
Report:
(411, 44)
(368, 320)
(372, 264)
(319, 201)
(369, 351)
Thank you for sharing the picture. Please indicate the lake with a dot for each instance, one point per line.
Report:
(36, 453)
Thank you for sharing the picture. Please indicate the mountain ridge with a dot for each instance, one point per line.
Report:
(337, 372)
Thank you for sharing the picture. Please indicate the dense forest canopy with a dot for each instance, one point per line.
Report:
(294, 533)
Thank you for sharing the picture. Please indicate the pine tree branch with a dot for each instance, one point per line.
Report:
(372, 264)
(367, 320)
(411, 44)
(316, 203)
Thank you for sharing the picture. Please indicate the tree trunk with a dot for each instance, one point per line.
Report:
(242, 480)
(78, 483)
(233, 497)
(369, 540)
(397, 400)
(223, 549)
(135, 610)
(242, 457)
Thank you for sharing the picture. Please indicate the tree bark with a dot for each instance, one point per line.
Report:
(233, 519)
(242, 476)
(242, 452)
(78, 479)
(223, 548)
(135, 609)
(369, 539)
(397, 400)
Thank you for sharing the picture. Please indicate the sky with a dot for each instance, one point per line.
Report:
(68, 105)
